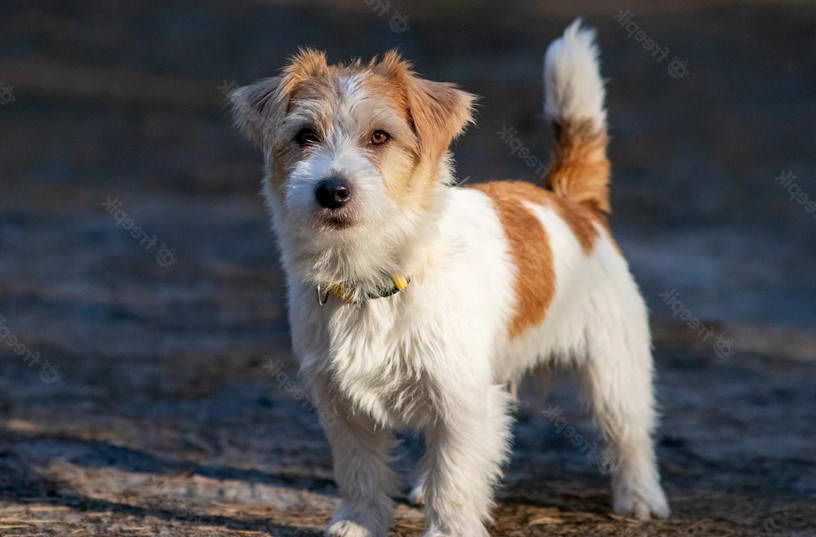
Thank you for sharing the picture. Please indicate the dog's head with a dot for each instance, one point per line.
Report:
(355, 154)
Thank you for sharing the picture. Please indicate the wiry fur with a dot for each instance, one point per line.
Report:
(575, 105)
(484, 307)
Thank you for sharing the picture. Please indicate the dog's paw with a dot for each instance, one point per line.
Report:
(370, 519)
(347, 528)
(436, 533)
(473, 529)
(642, 505)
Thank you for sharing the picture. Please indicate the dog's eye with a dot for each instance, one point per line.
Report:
(379, 137)
(306, 137)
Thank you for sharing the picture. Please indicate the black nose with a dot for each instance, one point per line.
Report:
(333, 192)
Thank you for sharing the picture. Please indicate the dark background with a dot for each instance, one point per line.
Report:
(136, 390)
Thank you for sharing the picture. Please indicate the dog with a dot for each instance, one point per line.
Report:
(415, 302)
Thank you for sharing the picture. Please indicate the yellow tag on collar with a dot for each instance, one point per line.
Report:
(400, 282)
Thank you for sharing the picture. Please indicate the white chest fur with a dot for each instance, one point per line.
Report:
(391, 357)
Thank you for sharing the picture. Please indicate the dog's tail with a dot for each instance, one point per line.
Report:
(574, 103)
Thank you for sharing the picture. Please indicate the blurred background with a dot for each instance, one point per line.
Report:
(141, 299)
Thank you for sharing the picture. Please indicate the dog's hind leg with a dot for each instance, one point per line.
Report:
(617, 380)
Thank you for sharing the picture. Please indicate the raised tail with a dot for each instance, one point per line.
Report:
(574, 103)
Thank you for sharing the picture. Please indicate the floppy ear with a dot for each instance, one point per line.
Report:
(440, 111)
(260, 106)
(256, 105)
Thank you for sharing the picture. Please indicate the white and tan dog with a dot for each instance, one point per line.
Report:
(415, 303)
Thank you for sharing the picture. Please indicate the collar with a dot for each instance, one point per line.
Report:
(346, 294)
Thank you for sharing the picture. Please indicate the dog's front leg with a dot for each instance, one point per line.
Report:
(466, 446)
(360, 453)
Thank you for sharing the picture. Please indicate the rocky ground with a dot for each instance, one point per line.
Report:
(146, 382)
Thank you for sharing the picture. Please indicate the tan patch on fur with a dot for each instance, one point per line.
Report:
(307, 64)
(437, 112)
(580, 219)
(580, 170)
(529, 244)
(398, 161)
(530, 247)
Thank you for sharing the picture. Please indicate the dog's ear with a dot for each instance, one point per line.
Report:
(439, 111)
(255, 106)
(258, 108)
